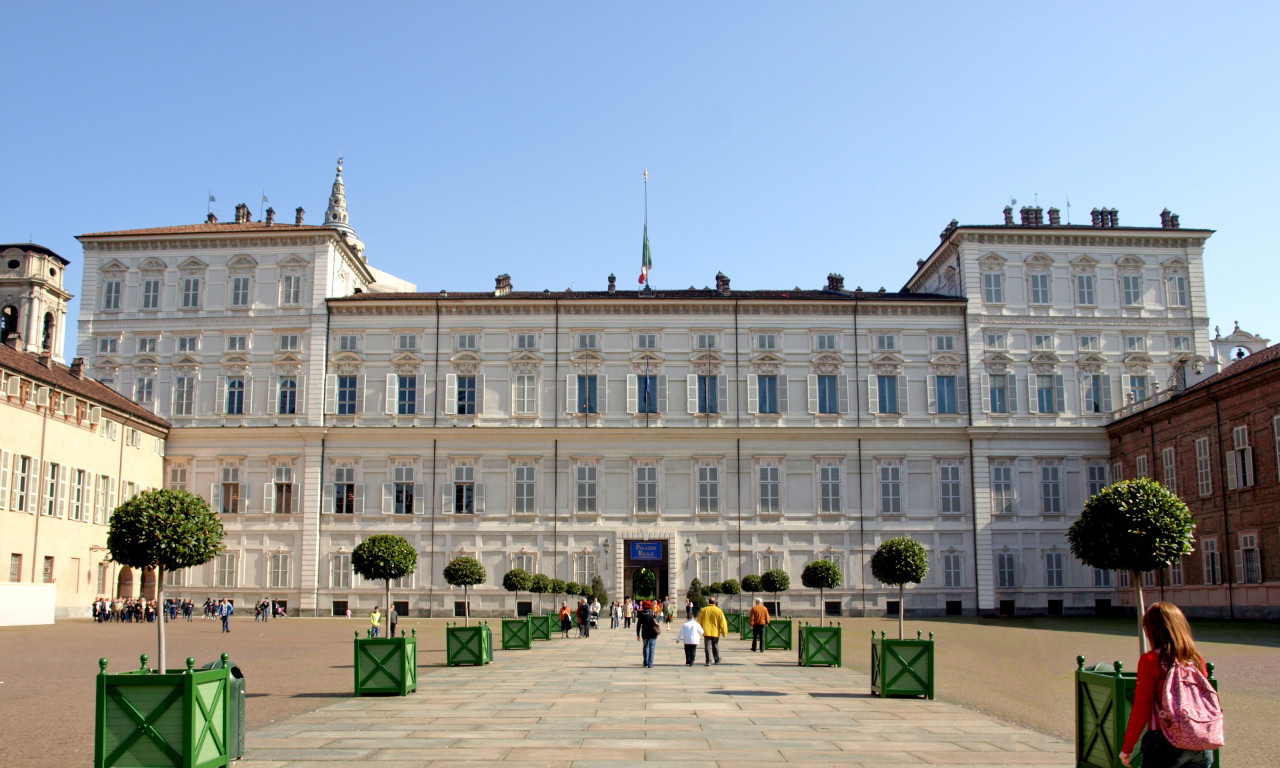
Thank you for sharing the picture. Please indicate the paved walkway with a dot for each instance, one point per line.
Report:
(581, 703)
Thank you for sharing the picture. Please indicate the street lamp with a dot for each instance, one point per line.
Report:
(688, 546)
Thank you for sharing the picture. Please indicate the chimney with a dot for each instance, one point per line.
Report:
(43, 359)
(14, 340)
(1008, 215)
(835, 282)
(1173, 221)
(949, 229)
(271, 216)
(502, 285)
(1115, 217)
(613, 283)
(722, 283)
(1164, 219)
(1095, 217)
(1024, 214)
(297, 216)
(77, 368)
(211, 219)
(1054, 217)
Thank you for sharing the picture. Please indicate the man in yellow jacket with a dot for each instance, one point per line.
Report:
(714, 626)
(375, 620)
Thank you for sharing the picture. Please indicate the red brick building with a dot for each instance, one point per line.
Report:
(1216, 443)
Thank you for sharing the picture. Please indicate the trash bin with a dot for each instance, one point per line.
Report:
(235, 701)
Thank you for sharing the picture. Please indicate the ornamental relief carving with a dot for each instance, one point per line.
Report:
(287, 369)
(235, 369)
(1100, 239)
(827, 364)
(347, 368)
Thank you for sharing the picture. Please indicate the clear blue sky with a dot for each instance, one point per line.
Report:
(783, 141)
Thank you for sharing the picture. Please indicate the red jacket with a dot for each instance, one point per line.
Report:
(1144, 698)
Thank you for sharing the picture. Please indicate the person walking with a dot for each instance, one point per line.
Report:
(392, 619)
(628, 609)
(584, 618)
(375, 619)
(565, 622)
(759, 618)
(225, 611)
(1169, 636)
(615, 615)
(714, 626)
(691, 635)
(688, 607)
(647, 630)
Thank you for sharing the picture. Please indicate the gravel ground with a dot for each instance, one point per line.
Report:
(1019, 670)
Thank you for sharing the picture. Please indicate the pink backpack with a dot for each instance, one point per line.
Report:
(1188, 710)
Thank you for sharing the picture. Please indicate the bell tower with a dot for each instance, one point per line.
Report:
(33, 302)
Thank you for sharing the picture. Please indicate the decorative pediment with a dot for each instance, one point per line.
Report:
(1137, 362)
(1177, 262)
(406, 358)
(154, 265)
(647, 363)
(106, 361)
(347, 358)
(1044, 362)
(1091, 362)
(242, 261)
(1084, 263)
(287, 358)
(187, 361)
(1130, 261)
(1039, 260)
(234, 359)
(193, 265)
(992, 261)
(766, 363)
(466, 363)
(946, 363)
(997, 362)
(115, 265)
(145, 361)
(293, 261)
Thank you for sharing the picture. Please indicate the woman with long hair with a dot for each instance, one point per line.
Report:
(1169, 636)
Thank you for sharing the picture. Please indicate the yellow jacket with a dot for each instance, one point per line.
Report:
(713, 621)
(375, 618)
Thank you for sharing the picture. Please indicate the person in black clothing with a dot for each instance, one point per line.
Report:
(647, 631)
(584, 618)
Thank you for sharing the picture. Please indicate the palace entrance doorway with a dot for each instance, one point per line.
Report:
(645, 553)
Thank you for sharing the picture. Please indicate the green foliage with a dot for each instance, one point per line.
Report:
(464, 571)
(165, 529)
(1134, 525)
(384, 557)
(698, 594)
(645, 584)
(899, 561)
(540, 584)
(558, 587)
(517, 580)
(714, 588)
(573, 588)
(775, 581)
(821, 574)
(597, 590)
(752, 583)
(730, 587)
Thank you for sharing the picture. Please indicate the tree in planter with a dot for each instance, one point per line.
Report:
(645, 584)
(898, 561)
(713, 589)
(517, 580)
(598, 592)
(166, 530)
(384, 557)
(540, 584)
(465, 572)
(751, 583)
(698, 594)
(775, 581)
(558, 588)
(821, 575)
(1135, 526)
(731, 587)
(573, 589)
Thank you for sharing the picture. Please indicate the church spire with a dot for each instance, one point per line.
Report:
(336, 215)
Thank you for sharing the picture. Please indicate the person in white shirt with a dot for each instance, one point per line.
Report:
(691, 635)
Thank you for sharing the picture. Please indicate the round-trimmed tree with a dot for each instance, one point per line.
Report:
(540, 585)
(714, 588)
(776, 581)
(558, 587)
(821, 575)
(384, 556)
(517, 580)
(166, 530)
(731, 587)
(465, 572)
(645, 584)
(900, 560)
(751, 583)
(1134, 526)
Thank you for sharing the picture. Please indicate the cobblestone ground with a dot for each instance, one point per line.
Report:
(1017, 671)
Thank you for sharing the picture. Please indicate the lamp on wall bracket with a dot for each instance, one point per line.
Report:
(688, 546)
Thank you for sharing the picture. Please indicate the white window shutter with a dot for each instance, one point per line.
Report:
(388, 498)
(984, 380)
(419, 394)
(359, 499)
(479, 498)
(904, 398)
(1126, 387)
(220, 404)
(962, 394)
(753, 393)
(301, 404)
(1231, 470)
(1239, 566)
(1033, 394)
(419, 498)
(360, 395)
(62, 490)
(1246, 467)
(293, 499)
(393, 384)
(571, 393)
(1011, 392)
(331, 393)
(691, 391)
(722, 393)
(479, 394)
(873, 394)
(633, 393)
(451, 394)
(1106, 393)
(662, 394)
(244, 499)
(933, 393)
(327, 493)
(1085, 405)
(40, 488)
(268, 497)
(248, 395)
(215, 498)
(446, 498)
(1059, 394)
(4, 479)
(273, 395)
(782, 393)
(602, 392)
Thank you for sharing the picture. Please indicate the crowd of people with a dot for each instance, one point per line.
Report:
(142, 610)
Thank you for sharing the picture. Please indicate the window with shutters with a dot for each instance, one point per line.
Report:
(1084, 291)
(1141, 466)
(524, 497)
(1097, 393)
(710, 569)
(344, 491)
(646, 489)
(1040, 288)
(178, 477)
(1249, 559)
(464, 489)
(1131, 286)
(525, 394)
(1095, 479)
(1204, 476)
(769, 488)
(190, 293)
(647, 394)
(767, 393)
(1000, 391)
(347, 387)
(708, 501)
(1006, 570)
(1177, 290)
(887, 394)
(708, 394)
(407, 395)
(287, 396)
(1212, 561)
(588, 393)
(226, 569)
(466, 395)
(231, 491)
(1051, 489)
(1101, 578)
(1138, 388)
(945, 395)
(284, 491)
(952, 570)
(890, 489)
(340, 571)
(586, 489)
(278, 570)
(949, 489)
(1001, 489)
(993, 287)
(103, 498)
(290, 290)
(402, 480)
(1175, 573)
(184, 395)
(235, 396)
(1048, 388)
(78, 497)
(830, 488)
(1240, 460)
(111, 290)
(1054, 569)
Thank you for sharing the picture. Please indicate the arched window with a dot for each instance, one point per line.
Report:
(47, 343)
(8, 322)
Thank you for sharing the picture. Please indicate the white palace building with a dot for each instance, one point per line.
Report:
(713, 433)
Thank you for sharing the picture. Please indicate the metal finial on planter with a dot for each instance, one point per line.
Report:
(1119, 668)
(919, 635)
(414, 631)
(931, 637)
(1079, 662)
(226, 660)
(102, 666)
(143, 660)
(191, 664)
(357, 634)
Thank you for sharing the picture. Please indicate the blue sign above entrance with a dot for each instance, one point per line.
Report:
(647, 550)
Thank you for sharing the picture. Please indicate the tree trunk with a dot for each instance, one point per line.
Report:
(388, 613)
(822, 607)
(902, 607)
(1136, 578)
(466, 607)
(160, 618)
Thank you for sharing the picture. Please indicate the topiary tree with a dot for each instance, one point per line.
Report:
(384, 557)
(517, 580)
(714, 588)
(166, 530)
(898, 561)
(821, 575)
(731, 587)
(1135, 526)
(698, 594)
(464, 572)
(645, 584)
(598, 592)
(573, 589)
(540, 585)
(558, 588)
(776, 581)
(751, 583)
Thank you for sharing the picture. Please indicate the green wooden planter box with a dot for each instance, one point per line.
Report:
(901, 667)
(745, 629)
(540, 627)
(736, 620)
(1104, 696)
(386, 664)
(468, 646)
(777, 635)
(178, 718)
(517, 634)
(819, 646)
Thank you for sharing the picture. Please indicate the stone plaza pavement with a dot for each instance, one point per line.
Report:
(590, 702)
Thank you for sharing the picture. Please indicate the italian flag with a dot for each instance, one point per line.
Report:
(646, 259)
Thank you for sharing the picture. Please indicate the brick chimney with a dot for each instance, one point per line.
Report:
(613, 283)
(835, 282)
(1095, 217)
(77, 368)
(722, 282)
(1055, 217)
(502, 285)
(1173, 221)
(1114, 216)
(211, 219)
(43, 359)
(271, 216)
(297, 216)
(14, 340)
(1008, 215)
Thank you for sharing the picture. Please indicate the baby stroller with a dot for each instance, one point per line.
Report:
(594, 616)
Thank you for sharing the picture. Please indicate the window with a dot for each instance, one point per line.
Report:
(952, 575)
(587, 341)
(891, 490)
(886, 342)
(1042, 341)
(76, 507)
(1051, 489)
(225, 569)
(289, 342)
(646, 341)
(585, 489)
(344, 491)
(767, 394)
(340, 571)
(230, 491)
(54, 477)
(1084, 291)
(524, 561)
(1117, 472)
(649, 394)
(770, 493)
(347, 394)
(235, 395)
(524, 397)
(284, 496)
(1212, 561)
(1137, 388)
(237, 343)
(184, 395)
(287, 397)
(1006, 570)
(706, 341)
(1050, 394)
(1175, 573)
(838, 559)
(829, 489)
(1097, 393)
(996, 341)
(1089, 343)
(348, 343)
(1040, 289)
(708, 389)
(1002, 489)
(1095, 479)
(524, 499)
(105, 499)
(48, 570)
(708, 489)
(826, 342)
(709, 567)
(408, 342)
(108, 346)
(1177, 291)
(175, 579)
(466, 341)
(1132, 290)
(1140, 463)
(1248, 560)
(15, 567)
(588, 393)
(407, 395)
(111, 295)
(1181, 343)
(1204, 476)
(1135, 343)
(178, 477)
(468, 494)
(147, 345)
(586, 567)
(944, 343)
(278, 570)
(150, 294)
(1053, 569)
(239, 291)
(766, 341)
(1101, 578)
(1240, 461)
(828, 394)
(646, 489)
(190, 293)
(770, 562)
(1001, 393)
(290, 290)
(402, 500)
(993, 287)
(526, 341)
(144, 389)
(944, 395)
(188, 343)
(949, 490)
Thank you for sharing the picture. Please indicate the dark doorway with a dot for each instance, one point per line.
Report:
(651, 554)
(339, 607)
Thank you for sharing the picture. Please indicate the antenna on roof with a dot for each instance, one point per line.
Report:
(209, 208)
(1068, 209)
